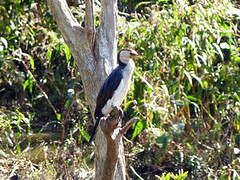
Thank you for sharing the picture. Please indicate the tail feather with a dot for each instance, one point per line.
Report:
(94, 129)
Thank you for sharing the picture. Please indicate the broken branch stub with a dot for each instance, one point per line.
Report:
(113, 132)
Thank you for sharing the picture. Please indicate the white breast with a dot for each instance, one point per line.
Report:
(122, 90)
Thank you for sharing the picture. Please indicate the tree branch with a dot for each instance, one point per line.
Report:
(111, 127)
(89, 14)
(89, 18)
(79, 40)
(109, 18)
(108, 32)
(67, 23)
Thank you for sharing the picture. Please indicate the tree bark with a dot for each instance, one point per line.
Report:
(111, 127)
(95, 53)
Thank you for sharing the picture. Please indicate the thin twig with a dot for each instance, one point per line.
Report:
(128, 125)
(40, 88)
(133, 170)
(66, 113)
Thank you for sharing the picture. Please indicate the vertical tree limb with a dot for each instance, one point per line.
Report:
(95, 59)
(90, 14)
(106, 49)
(89, 18)
(108, 32)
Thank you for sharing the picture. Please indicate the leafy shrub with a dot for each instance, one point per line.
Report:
(187, 82)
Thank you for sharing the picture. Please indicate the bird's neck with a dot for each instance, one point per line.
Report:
(128, 67)
(129, 63)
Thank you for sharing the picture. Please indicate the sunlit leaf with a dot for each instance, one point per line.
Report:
(4, 42)
(219, 51)
(198, 79)
(127, 104)
(49, 54)
(236, 175)
(237, 97)
(203, 58)
(1, 48)
(138, 128)
(85, 135)
(58, 116)
(142, 3)
(28, 84)
(67, 52)
(188, 76)
(191, 98)
(31, 60)
(205, 84)
(236, 59)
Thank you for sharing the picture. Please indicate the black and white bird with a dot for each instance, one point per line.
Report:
(115, 87)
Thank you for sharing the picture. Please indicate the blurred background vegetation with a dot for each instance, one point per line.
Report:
(186, 92)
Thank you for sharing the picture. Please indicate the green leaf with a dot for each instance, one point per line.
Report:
(28, 84)
(127, 104)
(138, 128)
(204, 84)
(188, 76)
(84, 134)
(163, 140)
(31, 60)
(198, 79)
(236, 175)
(191, 98)
(219, 51)
(49, 54)
(67, 52)
(58, 116)
(1, 48)
(142, 3)
(4, 42)
(236, 59)
(237, 97)
(68, 102)
(70, 96)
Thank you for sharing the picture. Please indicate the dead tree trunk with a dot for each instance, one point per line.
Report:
(94, 50)
(113, 132)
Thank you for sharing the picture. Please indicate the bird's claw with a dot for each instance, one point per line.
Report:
(120, 111)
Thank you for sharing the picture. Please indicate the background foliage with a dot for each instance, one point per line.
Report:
(185, 92)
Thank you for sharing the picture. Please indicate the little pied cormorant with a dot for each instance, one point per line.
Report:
(115, 87)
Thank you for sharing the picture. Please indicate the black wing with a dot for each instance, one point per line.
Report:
(107, 89)
(106, 93)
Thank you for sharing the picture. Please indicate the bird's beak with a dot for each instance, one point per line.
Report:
(134, 54)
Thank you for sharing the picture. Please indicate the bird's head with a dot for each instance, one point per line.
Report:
(125, 55)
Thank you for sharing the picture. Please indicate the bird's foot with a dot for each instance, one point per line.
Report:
(120, 111)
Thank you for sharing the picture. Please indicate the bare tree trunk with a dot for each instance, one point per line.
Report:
(95, 54)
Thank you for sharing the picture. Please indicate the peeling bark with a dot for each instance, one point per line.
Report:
(95, 53)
